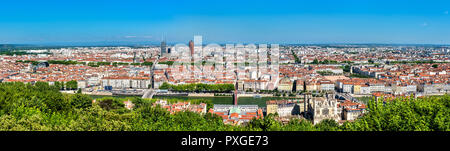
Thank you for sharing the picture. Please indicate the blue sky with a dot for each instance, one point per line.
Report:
(231, 21)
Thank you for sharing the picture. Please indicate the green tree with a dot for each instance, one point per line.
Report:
(58, 85)
(41, 107)
(72, 85)
(327, 125)
(315, 61)
(110, 103)
(79, 100)
(139, 102)
(268, 123)
(165, 85)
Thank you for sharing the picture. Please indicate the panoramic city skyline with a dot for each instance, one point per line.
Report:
(284, 22)
(220, 75)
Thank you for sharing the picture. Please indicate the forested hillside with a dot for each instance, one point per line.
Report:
(40, 107)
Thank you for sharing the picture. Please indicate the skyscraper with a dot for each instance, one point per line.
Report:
(163, 48)
(135, 59)
(191, 47)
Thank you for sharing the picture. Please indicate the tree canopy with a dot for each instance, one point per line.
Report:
(198, 87)
(41, 107)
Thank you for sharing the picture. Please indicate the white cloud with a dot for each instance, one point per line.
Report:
(446, 12)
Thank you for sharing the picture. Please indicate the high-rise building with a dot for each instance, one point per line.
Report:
(135, 59)
(191, 47)
(163, 48)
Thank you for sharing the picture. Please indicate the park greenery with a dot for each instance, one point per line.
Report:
(315, 61)
(70, 85)
(64, 62)
(147, 63)
(28, 61)
(346, 68)
(297, 60)
(359, 76)
(167, 62)
(198, 87)
(91, 64)
(41, 107)
(120, 64)
(412, 62)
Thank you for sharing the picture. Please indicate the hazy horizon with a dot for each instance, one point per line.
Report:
(144, 44)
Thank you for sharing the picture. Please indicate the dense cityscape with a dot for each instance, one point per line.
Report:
(292, 82)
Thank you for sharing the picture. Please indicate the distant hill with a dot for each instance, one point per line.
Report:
(10, 47)
(5, 47)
